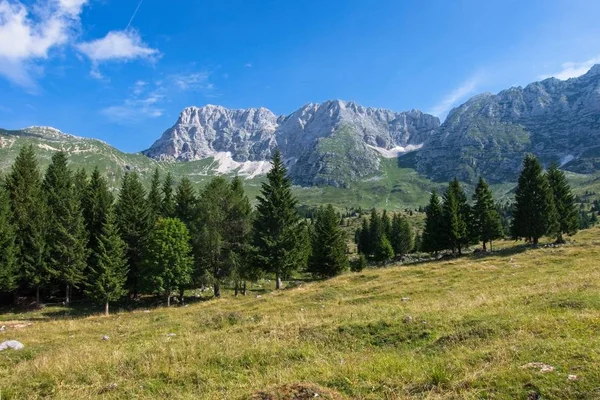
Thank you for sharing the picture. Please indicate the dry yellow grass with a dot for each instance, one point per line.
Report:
(466, 331)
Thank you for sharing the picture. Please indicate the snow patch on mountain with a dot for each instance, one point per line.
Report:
(249, 169)
(396, 151)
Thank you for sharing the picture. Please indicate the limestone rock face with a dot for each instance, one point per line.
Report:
(559, 121)
(332, 143)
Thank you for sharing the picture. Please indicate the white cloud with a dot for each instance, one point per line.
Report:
(573, 69)
(140, 105)
(28, 34)
(248, 65)
(443, 107)
(194, 81)
(118, 46)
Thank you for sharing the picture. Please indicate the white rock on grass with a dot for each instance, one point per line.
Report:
(11, 344)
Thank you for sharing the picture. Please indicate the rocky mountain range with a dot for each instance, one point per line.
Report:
(557, 120)
(333, 143)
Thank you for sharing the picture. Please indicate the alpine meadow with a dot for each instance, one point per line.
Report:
(286, 244)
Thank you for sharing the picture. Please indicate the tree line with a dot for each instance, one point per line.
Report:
(544, 206)
(65, 231)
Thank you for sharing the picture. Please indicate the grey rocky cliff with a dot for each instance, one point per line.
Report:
(332, 143)
(557, 120)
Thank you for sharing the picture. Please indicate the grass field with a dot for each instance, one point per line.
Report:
(453, 329)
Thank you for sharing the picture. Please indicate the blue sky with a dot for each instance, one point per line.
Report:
(122, 70)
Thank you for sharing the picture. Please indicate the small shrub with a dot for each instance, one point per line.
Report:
(359, 264)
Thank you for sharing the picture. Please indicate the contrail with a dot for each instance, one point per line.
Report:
(134, 13)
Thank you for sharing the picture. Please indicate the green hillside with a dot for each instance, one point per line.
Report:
(516, 324)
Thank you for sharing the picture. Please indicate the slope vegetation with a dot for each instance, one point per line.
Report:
(519, 323)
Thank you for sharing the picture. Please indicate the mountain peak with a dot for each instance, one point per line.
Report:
(595, 70)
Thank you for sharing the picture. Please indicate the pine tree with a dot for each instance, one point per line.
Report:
(108, 275)
(168, 202)
(486, 221)
(66, 235)
(329, 247)
(456, 216)
(383, 250)
(279, 235)
(27, 203)
(133, 221)
(80, 181)
(97, 202)
(534, 215)
(186, 204)
(434, 235)
(376, 231)
(364, 239)
(402, 237)
(212, 233)
(8, 248)
(155, 197)
(386, 224)
(168, 261)
(239, 229)
(564, 203)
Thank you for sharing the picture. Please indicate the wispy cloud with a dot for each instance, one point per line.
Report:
(28, 33)
(448, 102)
(118, 46)
(141, 104)
(248, 65)
(573, 69)
(146, 100)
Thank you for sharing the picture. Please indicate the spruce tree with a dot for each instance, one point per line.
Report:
(239, 229)
(402, 237)
(534, 214)
(80, 182)
(564, 203)
(8, 248)
(66, 236)
(486, 220)
(386, 224)
(376, 230)
(168, 261)
(433, 239)
(97, 202)
(168, 202)
(329, 247)
(365, 244)
(279, 235)
(383, 250)
(155, 197)
(108, 275)
(133, 221)
(212, 238)
(186, 204)
(456, 217)
(27, 203)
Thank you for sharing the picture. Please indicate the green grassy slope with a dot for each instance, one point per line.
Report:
(458, 329)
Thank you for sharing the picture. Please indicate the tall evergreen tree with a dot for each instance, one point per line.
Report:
(212, 242)
(456, 216)
(108, 275)
(80, 182)
(97, 202)
(155, 197)
(386, 224)
(402, 237)
(279, 235)
(564, 203)
(534, 214)
(365, 244)
(134, 223)
(433, 239)
(66, 235)
(8, 248)
(186, 204)
(168, 261)
(486, 220)
(239, 224)
(168, 202)
(329, 247)
(24, 187)
(376, 232)
(383, 250)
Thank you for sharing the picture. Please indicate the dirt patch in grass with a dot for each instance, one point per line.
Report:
(297, 391)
